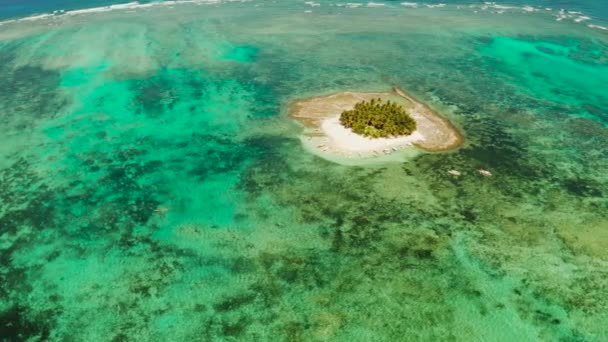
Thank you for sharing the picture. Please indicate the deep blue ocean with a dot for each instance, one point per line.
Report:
(21, 8)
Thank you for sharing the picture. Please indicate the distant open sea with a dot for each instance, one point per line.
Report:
(10, 9)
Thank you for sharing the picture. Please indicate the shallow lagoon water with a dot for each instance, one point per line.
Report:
(154, 188)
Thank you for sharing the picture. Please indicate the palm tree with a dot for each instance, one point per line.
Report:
(378, 119)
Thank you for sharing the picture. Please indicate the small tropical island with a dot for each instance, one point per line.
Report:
(360, 126)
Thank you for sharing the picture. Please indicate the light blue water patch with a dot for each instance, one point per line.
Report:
(549, 71)
(243, 54)
(55, 132)
(74, 77)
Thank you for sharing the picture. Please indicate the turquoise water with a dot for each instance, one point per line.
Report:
(154, 188)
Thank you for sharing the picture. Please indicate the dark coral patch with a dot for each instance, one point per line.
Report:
(582, 187)
(15, 326)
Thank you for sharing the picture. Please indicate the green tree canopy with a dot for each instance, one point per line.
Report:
(378, 119)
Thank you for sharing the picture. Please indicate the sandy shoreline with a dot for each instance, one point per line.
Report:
(325, 136)
(344, 139)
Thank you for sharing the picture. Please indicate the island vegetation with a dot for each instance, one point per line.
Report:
(378, 119)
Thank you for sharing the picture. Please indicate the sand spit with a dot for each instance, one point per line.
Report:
(325, 136)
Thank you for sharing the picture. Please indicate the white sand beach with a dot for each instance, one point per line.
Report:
(345, 140)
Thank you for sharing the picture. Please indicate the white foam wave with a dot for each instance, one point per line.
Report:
(312, 4)
(350, 5)
(576, 16)
(36, 17)
(436, 6)
(603, 28)
(118, 7)
(503, 7)
(496, 8)
(562, 14)
(410, 4)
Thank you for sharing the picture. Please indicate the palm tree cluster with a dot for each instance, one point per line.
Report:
(378, 119)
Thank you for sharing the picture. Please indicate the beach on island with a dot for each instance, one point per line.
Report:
(324, 134)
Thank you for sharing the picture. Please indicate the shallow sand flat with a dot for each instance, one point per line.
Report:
(325, 135)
